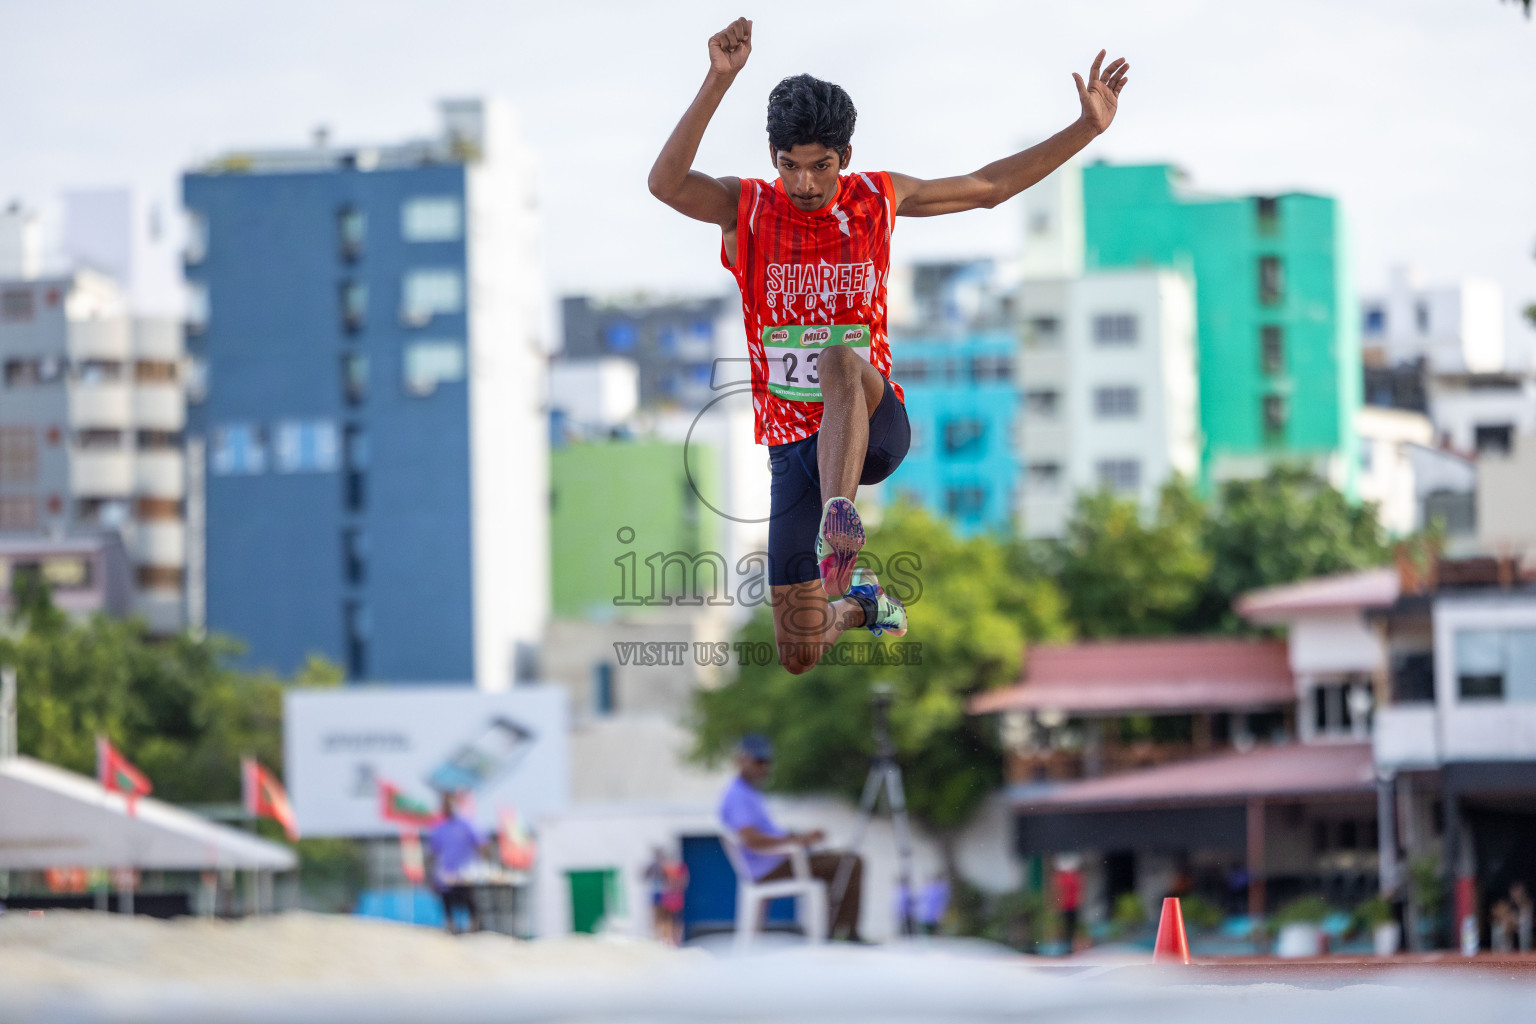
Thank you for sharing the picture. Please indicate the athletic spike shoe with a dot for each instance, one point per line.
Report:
(838, 542)
(882, 612)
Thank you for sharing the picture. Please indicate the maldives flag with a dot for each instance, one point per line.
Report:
(118, 775)
(265, 797)
(404, 810)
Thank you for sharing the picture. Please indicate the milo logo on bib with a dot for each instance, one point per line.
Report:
(793, 372)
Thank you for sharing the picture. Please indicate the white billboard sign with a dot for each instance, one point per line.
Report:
(343, 748)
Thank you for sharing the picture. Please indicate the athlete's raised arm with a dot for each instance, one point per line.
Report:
(1003, 179)
(673, 179)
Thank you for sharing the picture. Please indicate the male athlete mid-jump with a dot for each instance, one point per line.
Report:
(810, 252)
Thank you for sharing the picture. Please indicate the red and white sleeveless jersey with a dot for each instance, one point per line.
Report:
(809, 281)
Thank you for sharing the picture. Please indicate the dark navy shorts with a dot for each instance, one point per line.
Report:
(795, 507)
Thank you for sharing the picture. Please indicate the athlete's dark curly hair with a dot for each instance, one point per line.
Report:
(804, 110)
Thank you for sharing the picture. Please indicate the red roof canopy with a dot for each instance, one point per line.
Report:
(1373, 588)
(1284, 771)
(1144, 676)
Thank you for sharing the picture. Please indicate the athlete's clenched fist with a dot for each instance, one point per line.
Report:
(730, 47)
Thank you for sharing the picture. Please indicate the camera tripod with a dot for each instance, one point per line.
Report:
(884, 774)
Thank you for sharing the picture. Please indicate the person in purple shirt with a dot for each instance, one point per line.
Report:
(454, 844)
(745, 813)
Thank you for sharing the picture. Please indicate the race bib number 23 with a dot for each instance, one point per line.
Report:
(795, 352)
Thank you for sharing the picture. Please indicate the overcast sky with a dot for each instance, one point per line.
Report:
(1420, 115)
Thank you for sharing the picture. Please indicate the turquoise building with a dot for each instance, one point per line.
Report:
(964, 407)
(1279, 346)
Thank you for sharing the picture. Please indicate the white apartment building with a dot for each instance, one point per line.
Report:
(92, 411)
(1455, 328)
(1111, 395)
(1482, 412)
(1388, 440)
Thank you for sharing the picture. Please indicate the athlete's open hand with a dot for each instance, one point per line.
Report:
(1101, 95)
(730, 47)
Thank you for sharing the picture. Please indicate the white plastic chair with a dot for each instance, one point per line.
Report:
(752, 896)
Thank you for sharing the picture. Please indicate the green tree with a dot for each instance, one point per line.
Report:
(1125, 576)
(970, 616)
(1286, 526)
(173, 706)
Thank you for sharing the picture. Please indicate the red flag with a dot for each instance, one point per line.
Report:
(117, 775)
(412, 863)
(265, 797)
(397, 807)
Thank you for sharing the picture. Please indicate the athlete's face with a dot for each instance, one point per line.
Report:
(809, 173)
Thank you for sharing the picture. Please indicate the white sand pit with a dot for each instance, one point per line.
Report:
(86, 968)
(72, 949)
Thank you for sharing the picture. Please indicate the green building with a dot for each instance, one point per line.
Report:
(627, 526)
(1279, 345)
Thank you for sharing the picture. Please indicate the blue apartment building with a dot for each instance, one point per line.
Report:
(964, 407)
(330, 336)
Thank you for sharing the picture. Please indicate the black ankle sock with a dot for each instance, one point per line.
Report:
(868, 605)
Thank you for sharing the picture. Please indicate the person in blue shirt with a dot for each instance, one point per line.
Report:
(454, 844)
(745, 813)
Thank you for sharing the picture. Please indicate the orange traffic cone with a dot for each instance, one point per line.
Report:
(1172, 945)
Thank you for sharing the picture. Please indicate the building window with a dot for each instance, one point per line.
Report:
(356, 622)
(1043, 403)
(239, 449)
(1042, 332)
(98, 371)
(1496, 437)
(356, 455)
(354, 377)
(105, 512)
(965, 436)
(1413, 677)
(912, 372)
(354, 552)
(1119, 474)
(1114, 329)
(1268, 210)
(985, 369)
(305, 446)
(1275, 416)
(965, 502)
(58, 572)
(1335, 705)
(354, 305)
(430, 363)
(429, 293)
(1496, 664)
(16, 305)
(159, 577)
(1044, 476)
(1271, 280)
(26, 372)
(1116, 402)
(351, 231)
(1272, 347)
(197, 307)
(18, 455)
(99, 439)
(602, 689)
(157, 440)
(1375, 320)
(158, 510)
(621, 335)
(197, 238)
(18, 512)
(154, 371)
(432, 219)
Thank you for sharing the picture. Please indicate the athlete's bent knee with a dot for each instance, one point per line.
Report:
(838, 359)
